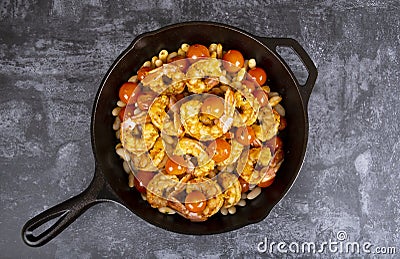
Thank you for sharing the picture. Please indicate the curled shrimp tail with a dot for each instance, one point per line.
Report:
(229, 110)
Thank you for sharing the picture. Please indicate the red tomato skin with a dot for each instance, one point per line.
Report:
(258, 74)
(197, 51)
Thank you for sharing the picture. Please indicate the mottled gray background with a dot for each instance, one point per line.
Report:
(54, 55)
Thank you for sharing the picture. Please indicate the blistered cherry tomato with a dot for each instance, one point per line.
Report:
(261, 97)
(142, 72)
(274, 143)
(197, 51)
(250, 84)
(229, 135)
(245, 135)
(245, 185)
(234, 60)
(258, 74)
(213, 105)
(127, 111)
(195, 201)
(142, 178)
(127, 92)
(179, 97)
(277, 158)
(145, 99)
(181, 62)
(282, 124)
(220, 149)
(175, 165)
(268, 177)
(121, 113)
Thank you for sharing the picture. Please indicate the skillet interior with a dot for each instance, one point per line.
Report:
(170, 38)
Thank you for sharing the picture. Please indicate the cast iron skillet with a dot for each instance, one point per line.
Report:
(110, 181)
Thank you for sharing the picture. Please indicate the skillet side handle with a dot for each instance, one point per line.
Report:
(66, 212)
(306, 89)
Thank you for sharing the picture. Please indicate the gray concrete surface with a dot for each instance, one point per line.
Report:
(53, 55)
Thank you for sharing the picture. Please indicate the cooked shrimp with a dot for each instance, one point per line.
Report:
(157, 153)
(247, 165)
(236, 150)
(187, 146)
(173, 127)
(231, 187)
(140, 138)
(159, 188)
(151, 160)
(161, 119)
(167, 79)
(213, 194)
(203, 75)
(190, 119)
(269, 124)
(269, 172)
(157, 111)
(248, 109)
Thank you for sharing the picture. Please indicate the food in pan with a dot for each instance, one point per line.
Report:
(199, 131)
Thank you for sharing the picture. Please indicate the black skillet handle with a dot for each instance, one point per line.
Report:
(306, 89)
(66, 212)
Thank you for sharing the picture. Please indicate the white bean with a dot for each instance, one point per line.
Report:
(272, 94)
(252, 186)
(232, 210)
(143, 197)
(117, 123)
(181, 52)
(241, 203)
(121, 104)
(224, 211)
(133, 79)
(123, 154)
(252, 63)
(126, 167)
(266, 89)
(280, 110)
(118, 134)
(163, 55)
(274, 100)
(171, 56)
(219, 50)
(213, 47)
(185, 47)
(116, 111)
(244, 196)
(118, 145)
(153, 60)
(131, 180)
(254, 193)
(166, 210)
(147, 64)
(158, 63)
